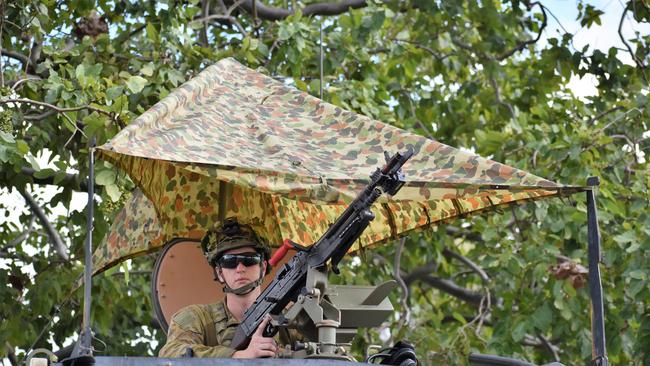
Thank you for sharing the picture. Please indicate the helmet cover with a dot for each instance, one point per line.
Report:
(231, 234)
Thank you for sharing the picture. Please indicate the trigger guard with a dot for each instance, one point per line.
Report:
(270, 330)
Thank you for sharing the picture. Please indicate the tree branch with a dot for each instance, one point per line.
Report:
(40, 116)
(230, 19)
(617, 119)
(144, 273)
(17, 83)
(523, 44)
(603, 114)
(20, 238)
(35, 53)
(11, 354)
(12, 84)
(516, 221)
(68, 180)
(17, 56)
(406, 311)
(55, 238)
(519, 47)
(55, 108)
(2, 24)
(137, 30)
(265, 12)
(459, 233)
(624, 137)
(473, 266)
(226, 15)
(549, 347)
(415, 117)
(449, 287)
(417, 45)
(419, 272)
(627, 45)
(203, 33)
(497, 96)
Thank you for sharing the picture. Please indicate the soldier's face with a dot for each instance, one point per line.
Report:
(241, 275)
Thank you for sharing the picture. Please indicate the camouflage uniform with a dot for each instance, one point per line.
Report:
(188, 330)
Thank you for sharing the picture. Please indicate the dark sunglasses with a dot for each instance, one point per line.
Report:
(231, 261)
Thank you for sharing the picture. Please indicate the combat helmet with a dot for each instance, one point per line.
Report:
(233, 234)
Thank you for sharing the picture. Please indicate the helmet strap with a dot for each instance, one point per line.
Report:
(246, 289)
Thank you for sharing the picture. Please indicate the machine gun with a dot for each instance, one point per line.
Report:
(303, 280)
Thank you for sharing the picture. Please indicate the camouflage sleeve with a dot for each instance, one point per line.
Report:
(186, 331)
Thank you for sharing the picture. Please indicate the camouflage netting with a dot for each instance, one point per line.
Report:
(234, 142)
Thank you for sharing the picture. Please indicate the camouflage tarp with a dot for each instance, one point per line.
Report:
(134, 231)
(235, 140)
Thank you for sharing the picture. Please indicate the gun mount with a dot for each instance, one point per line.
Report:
(329, 316)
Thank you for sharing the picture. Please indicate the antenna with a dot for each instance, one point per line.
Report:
(82, 354)
(598, 349)
(321, 57)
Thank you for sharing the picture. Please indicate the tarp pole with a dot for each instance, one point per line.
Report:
(598, 350)
(224, 197)
(320, 57)
(82, 353)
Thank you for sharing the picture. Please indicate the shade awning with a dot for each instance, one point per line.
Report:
(234, 142)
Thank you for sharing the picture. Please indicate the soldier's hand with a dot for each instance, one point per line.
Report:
(259, 345)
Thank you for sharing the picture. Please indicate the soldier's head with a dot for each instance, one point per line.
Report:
(237, 255)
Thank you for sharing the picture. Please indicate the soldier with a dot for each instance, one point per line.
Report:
(239, 260)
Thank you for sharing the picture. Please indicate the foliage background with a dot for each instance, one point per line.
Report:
(470, 74)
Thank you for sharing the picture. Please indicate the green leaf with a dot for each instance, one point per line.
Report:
(175, 77)
(638, 274)
(114, 92)
(125, 270)
(33, 162)
(44, 173)
(105, 177)
(7, 137)
(88, 74)
(152, 34)
(22, 147)
(541, 211)
(121, 104)
(543, 317)
(636, 286)
(113, 192)
(301, 85)
(93, 122)
(147, 70)
(626, 237)
(459, 318)
(136, 83)
(403, 35)
(67, 123)
(314, 86)
(59, 176)
(5, 154)
(519, 332)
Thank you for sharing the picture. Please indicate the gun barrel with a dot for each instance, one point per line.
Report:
(396, 162)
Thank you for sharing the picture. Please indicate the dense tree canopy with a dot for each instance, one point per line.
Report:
(471, 74)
